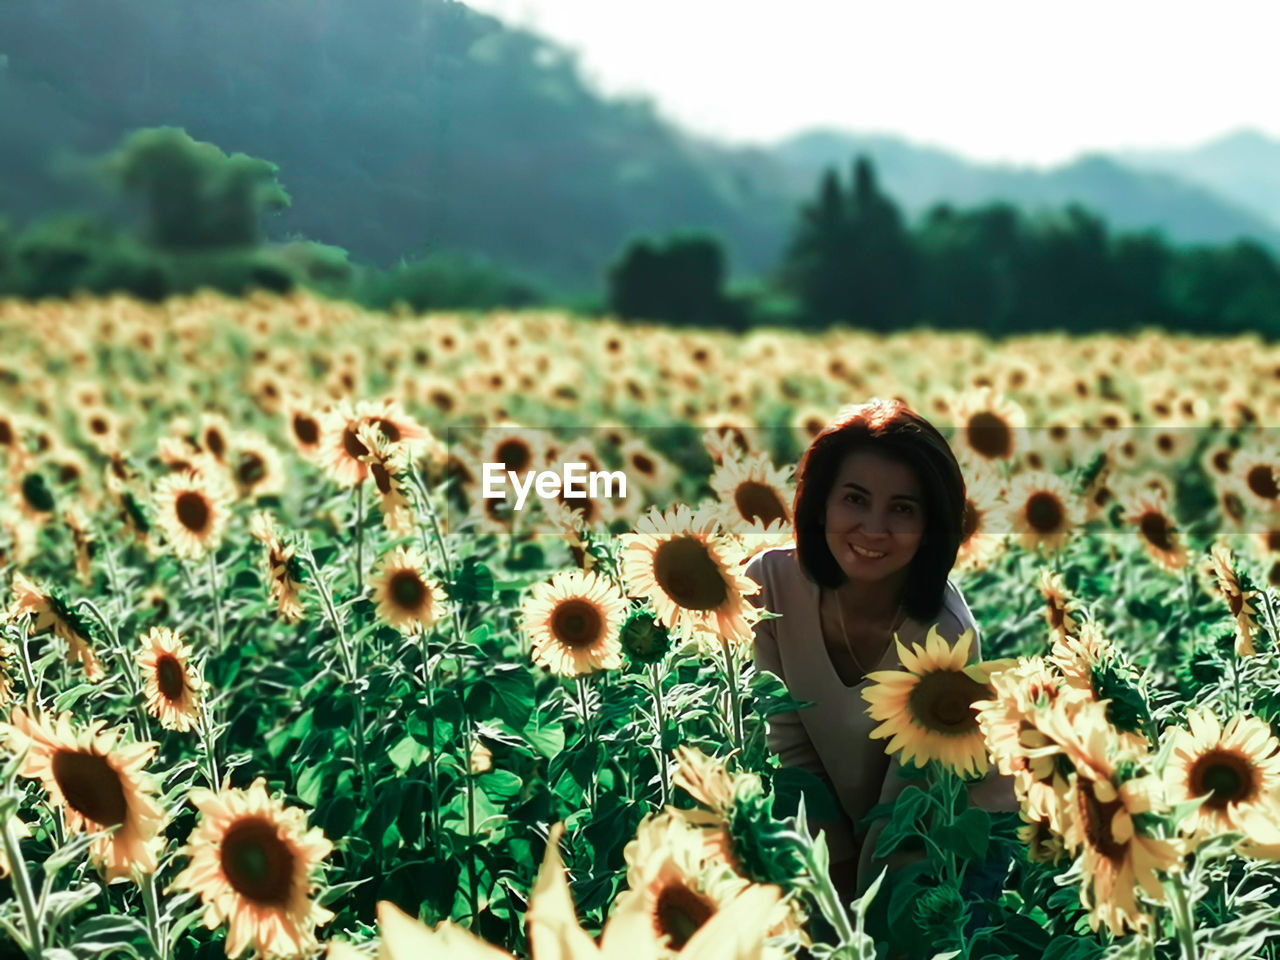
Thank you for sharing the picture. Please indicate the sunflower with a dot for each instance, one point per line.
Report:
(341, 448)
(692, 574)
(1059, 605)
(988, 423)
(1149, 512)
(172, 682)
(652, 471)
(927, 708)
(1015, 743)
(100, 784)
(283, 568)
(214, 436)
(305, 422)
(1227, 581)
(1098, 819)
(406, 597)
(753, 492)
(1236, 769)
(251, 863)
(1254, 475)
(573, 623)
(728, 437)
(51, 612)
(388, 466)
(1044, 843)
(676, 887)
(193, 509)
(984, 505)
(1042, 511)
(85, 541)
(256, 465)
(736, 932)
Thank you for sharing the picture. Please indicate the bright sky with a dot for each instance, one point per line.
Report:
(1028, 82)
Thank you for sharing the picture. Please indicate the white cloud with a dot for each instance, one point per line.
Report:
(1030, 82)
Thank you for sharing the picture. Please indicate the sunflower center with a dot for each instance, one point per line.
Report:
(577, 623)
(381, 477)
(514, 454)
(680, 913)
(407, 589)
(1262, 481)
(1273, 541)
(169, 677)
(305, 429)
(1097, 817)
(389, 430)
(1225, 775)
(1233, 506)
(216, 444)
(252, 469)
(688, 575)
(1156, 529)
(941, 703)
(1044, 512)
(352, 445)
(257, 863)
(759, 501)
(192, 510)
(989, 435)
(92, 787)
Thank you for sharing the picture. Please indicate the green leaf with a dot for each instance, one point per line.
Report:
(514, 692)
(323, 555)
(500, 785)
(911, 805)
(473, 584)
(311, 784)
(968, 836)
(407, 753)
(548, 740)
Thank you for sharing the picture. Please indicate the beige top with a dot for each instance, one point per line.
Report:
(832, 738)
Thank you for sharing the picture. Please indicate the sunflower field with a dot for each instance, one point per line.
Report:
(278, 680)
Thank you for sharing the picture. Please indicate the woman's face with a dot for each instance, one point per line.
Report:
(875, 516)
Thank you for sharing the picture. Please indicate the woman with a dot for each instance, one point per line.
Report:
(878, 518)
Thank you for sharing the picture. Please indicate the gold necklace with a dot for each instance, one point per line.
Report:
(844, 630)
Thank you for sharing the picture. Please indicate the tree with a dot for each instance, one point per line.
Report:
(196, 196)
(681, 282)
(851, 258)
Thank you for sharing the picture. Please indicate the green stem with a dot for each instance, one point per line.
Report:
(1184, 926)
(22, 884)
(359, 495)
(735, 708)
(210, 747)
(590, 732)
(664, 781)
(432, 756)
(28, 672)
(1235, 680)
(128, 667)
(217, 601)
(154, 928)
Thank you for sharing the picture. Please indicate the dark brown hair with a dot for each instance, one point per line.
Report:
(889, 428)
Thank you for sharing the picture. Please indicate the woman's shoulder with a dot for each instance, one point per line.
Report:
(772, 563)
(776, 570)
(956, 617)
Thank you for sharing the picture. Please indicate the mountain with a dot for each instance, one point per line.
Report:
(1186, 210)
(401, 128)
(1243, 167)
(398, 128)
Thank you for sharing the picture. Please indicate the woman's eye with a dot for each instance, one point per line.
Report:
(905, 508)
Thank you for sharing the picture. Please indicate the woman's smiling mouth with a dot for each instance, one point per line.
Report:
(863, 552)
